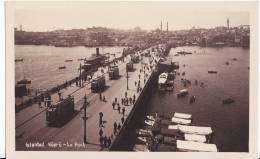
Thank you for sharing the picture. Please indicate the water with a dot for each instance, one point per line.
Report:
(230, 123)
(40, 63)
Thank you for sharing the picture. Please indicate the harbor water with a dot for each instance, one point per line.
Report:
(41, 63)
(229, 122)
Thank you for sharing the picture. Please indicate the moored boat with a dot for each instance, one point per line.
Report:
(190, 146)
(199, 130)
(181, 121)
(182, 115)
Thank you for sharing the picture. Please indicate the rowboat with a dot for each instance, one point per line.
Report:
(190, 146)
(192, 129)
(195, 138)
(181, 121)
(182, 115)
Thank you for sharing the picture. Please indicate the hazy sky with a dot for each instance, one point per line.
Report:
(126, 15)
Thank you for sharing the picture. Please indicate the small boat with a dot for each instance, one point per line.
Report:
(181, 121)
(68, 60)
(140, 147)
(192, 129)
(163, 78)
(228, 101)
(149, 122)
(62, 67)
(182, 115)
(227, 63)
(18, 60)
(150, 117)
(24, 81)
(182, 93)
(143, 139)
(212, 72)
(192, 99)
(195, 138)
(81, 59)
(190, 146)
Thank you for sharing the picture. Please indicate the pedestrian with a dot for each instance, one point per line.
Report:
(118, 108)
(116, 99)
(105, 141)
(122, 119)
(126, 101)
(100, 115)
(122, 101)
(104, 99)
(119, 126)
(115, 127)
(108, 142)
(123, 111)
(144, 80)
(133, 101)
(125, 94)
(100, 97)
(130, 100)
(113, 104)
(134, 97)
(135, 83)
(40, 104)
(100, 132)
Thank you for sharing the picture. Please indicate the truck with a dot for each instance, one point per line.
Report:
(60, 111)
(113, 72)
(98, 84)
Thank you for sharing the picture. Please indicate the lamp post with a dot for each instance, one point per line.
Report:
(85, 117)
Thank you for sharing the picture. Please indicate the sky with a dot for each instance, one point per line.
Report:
(47, 16)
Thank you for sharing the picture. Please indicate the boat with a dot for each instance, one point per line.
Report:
(18, 60)
(150, 117)
(212, 72)
(68, 60)
(192, 129)
(228, 101)
(182, 93)
(195, 138)
(182, 115)
(190, 146)
(24, 81)
(163, 78)
(184, 53)
(149, 122)
(81, 59)
(192, 99)
(227, 63)
(181, 121)
(143, 132)
(143, 139)
(140, 147)
(62, 67)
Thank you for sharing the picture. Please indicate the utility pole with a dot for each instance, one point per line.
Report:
(80, 78)
(85, 117)
(127, 78)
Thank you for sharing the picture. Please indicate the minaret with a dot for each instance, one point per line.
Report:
(228, 23)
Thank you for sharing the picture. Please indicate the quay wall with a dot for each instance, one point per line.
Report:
(124, 139)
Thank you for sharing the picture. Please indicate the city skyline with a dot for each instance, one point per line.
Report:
(124, 15)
